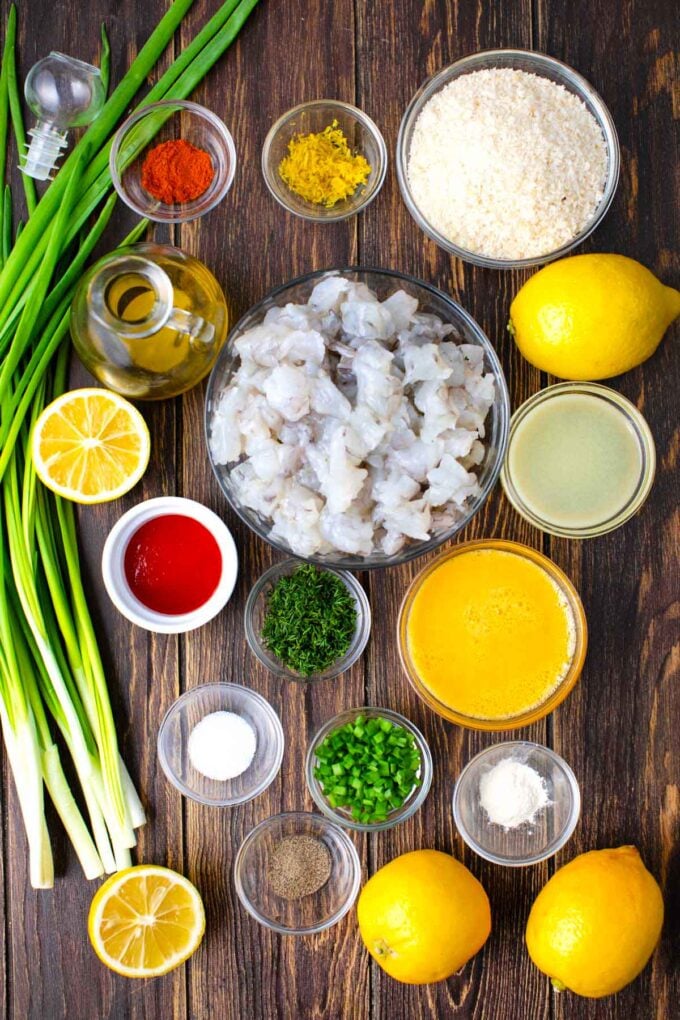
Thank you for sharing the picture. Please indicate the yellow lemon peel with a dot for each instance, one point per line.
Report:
(321, 167)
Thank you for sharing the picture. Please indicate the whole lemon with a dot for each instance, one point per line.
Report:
(595, 924)
(591, 316)
(422, 916)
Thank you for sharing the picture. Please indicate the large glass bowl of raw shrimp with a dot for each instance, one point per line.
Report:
(391, 460)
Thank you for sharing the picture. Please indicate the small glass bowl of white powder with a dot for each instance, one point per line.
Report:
(507, 158)
(221, 744)
(516, 803)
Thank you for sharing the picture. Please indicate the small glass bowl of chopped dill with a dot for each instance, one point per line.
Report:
(305, 622)
(369, 769)
(345, 151)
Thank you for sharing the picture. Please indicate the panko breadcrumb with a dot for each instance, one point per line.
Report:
(507, 164)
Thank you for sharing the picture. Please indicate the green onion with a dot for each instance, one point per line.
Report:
(15, 106)
(52, 326)
(6, 238)
(21, 742)
(310, 619)
(51, 672)
(105, 60)
(369, 767)
(4, 121)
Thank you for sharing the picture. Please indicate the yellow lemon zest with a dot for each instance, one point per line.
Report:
(322, 168)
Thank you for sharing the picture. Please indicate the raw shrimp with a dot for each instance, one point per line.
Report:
(353, 425)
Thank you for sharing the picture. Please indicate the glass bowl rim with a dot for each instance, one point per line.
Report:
(350, 855)
(266, 710)
(501, 405)
(400, 814)
(359, 641)
(643, 433)
(192, 210)
(557, 843)
(542, 61)
(366, 122)
(565, 686)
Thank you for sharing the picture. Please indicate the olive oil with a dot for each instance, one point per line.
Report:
(148, 321)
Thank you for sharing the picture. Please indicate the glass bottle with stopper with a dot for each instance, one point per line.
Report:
(63, 93)
(148, 321)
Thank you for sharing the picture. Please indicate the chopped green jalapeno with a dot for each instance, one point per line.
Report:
(369, 766)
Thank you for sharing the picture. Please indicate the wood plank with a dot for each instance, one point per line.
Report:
(500, 981)
(619, 728)
(53, 972)
(252, 244)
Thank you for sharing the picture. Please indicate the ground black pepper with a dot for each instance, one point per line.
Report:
(298, 866)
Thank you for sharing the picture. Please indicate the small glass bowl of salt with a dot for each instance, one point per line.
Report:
(516, 803)
(221, 744)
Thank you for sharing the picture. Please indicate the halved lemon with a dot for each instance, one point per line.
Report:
(145, 921)
(90, 446)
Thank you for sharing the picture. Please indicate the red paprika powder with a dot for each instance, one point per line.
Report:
(177, 171)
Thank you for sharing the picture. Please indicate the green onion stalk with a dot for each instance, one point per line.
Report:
(52, 678)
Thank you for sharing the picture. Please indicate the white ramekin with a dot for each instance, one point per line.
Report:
(113, 570)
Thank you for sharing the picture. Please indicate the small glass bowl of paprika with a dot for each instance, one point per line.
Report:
(169, 564)
(172, 161)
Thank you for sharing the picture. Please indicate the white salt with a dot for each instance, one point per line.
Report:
(222, 745)
(512, 793)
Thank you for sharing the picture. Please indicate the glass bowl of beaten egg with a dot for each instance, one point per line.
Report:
(492, 635)
(363, 138)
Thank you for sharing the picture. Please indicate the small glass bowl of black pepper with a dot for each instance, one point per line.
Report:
(297, 873)
(298, 649)
(396, 762)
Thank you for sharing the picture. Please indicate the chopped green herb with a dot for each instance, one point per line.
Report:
(310, 619)
(369, 766)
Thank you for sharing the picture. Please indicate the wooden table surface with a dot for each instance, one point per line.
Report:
(619, 728)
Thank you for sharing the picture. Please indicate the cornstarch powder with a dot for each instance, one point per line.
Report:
(512, 793)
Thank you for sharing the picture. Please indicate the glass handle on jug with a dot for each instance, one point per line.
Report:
(200, 331)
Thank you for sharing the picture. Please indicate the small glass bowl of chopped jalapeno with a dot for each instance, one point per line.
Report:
(369, 769)
(305, 622)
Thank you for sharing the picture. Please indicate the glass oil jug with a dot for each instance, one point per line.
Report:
(148, 321)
